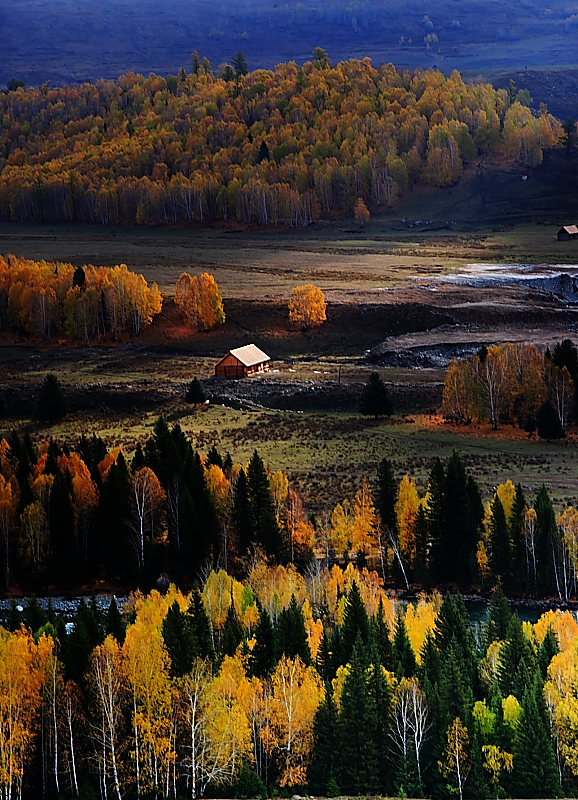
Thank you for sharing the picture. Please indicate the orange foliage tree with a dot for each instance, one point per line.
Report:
(199, 298)
(307, 306)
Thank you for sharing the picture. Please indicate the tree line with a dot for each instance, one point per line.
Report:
(83, 512)
(515, 383)
(283, 146)
(46, 299)
(284, 682)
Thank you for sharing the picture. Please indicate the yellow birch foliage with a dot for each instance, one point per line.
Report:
(307, 306)
(275, 585)
(314, 628)
(455, 764)
(199, 298)
(420, 620)
(364, 527)
(506, 492)
(229, 698)
(496, 762)
(297, 693)
(341, 533)
(561, 691)
(512, 711)
(564, 625)
(406, 509)
(22, 676)
(146, 665)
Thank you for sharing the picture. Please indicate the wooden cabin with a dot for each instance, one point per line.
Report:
(242, 361)
(568, 232)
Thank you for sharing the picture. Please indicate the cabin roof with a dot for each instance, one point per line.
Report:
(249, 355)
(571, 229)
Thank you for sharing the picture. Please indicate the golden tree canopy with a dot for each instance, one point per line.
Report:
(307, 306)
(199, 298)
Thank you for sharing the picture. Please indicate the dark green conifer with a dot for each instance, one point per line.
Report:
(51, 406)
(214, 457)
(375, 400)
(242, 513)
(179, 640)
(547, 650)
(323, 769)
(499, 614)
(232, 634)
(262, 657)
(358, 756)
(200, 627)
(262, 510)
(379, 633)
(196, 393)
(517, 662)
(291, 634)
(535, 769)
(441, 564)
(114, 624)
(355, 623)
(500, 545)
(403, 655)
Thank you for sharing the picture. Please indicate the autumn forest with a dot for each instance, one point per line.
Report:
(277, 598)
(284, 146)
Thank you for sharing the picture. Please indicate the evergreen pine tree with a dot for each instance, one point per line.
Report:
(500, 546)
(214, 457)
(232, 634)
(379, 634)
(138, 460)
(535, 768)
(355, 623)
(323, 769)
(517, 661)
(499, 614)
(179, 641)
(548, 422)
(51, 406)
(291, 634)
(546, 652)
(200, 627)
(196, 393)
(548, 544)
(519, 577)
(114, 624)
(375, 400)
(441, 560)
(382, 698)
(262, 656)
(403, 655)
(262, 509)
(359, 759)
(242, 513)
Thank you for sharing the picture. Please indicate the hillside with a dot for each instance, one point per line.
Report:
(280, 147)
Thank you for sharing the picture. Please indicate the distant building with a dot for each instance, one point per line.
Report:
(568, 232)
(242, 361)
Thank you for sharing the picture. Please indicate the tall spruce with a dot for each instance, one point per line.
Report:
(355, 623)
(262, 656)
(517, 661)
(179, 640)
(324, 767)
(403, 657)
(535, 769)
(359, 759)
(291, 633)
(264, 522)
(500, 546)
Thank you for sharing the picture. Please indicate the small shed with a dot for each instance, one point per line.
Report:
(242, 361)
(568, 232)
